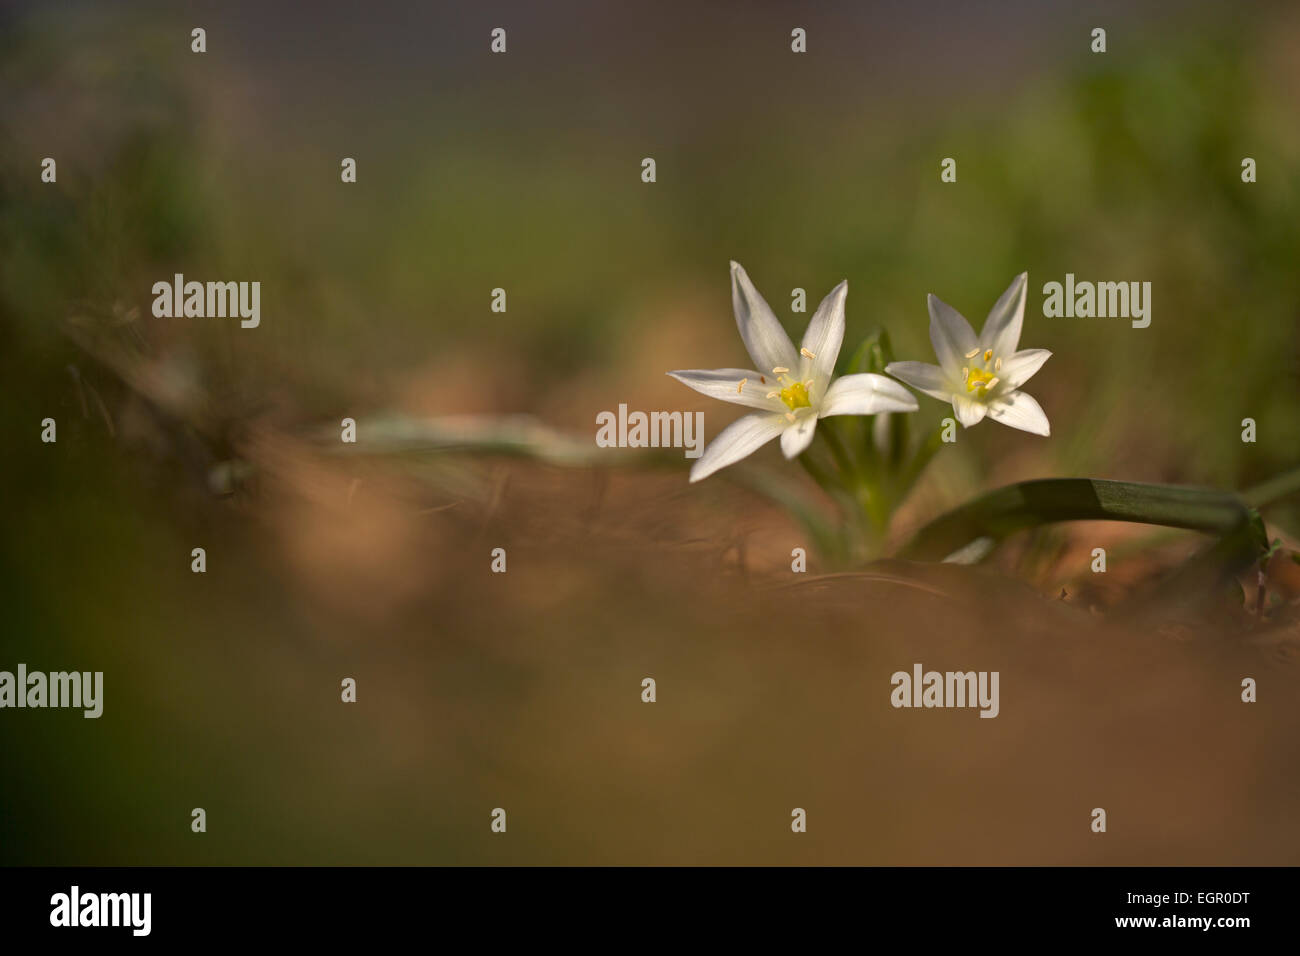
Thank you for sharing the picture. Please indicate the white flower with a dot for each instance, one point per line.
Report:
(792, 389)
(981, 376)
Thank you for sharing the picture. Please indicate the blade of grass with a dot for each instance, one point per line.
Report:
(1027, 504)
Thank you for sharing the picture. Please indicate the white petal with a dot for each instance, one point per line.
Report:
(1001, 331)
(824, 337)
(764, 338)
(798, 436)
(969, 412)
(742, 437)
(930, 379)
(1020, 367)
(950, 334)
(1020, 410)
(866, 394)
(724, 384)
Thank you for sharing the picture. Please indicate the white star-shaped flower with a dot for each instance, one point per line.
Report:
(981, 375)
(792, 389)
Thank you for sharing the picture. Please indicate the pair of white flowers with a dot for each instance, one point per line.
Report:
(980, 375)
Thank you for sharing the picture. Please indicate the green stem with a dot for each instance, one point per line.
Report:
(843, 499)
(869, 506)
(850, 471)
(818, 474)
(929, 448)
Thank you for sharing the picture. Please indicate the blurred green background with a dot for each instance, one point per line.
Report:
(522, 171)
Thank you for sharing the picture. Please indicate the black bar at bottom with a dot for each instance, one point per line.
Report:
(304, 905)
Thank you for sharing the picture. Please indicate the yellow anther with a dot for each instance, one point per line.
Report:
(973, 352)
(774, 393)
(988, 354)
(806, 354)
(993, 382)
(780, 370)
(741, 387)
(790, 415)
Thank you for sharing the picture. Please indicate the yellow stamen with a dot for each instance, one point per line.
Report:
(741, 387)
(806, 354)
(790, 415)
(780, 370)
(773, 394)
(988, 354)
(973, 352)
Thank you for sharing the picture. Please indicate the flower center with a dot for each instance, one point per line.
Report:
(795, 395)
(792, 392)
(981, 380)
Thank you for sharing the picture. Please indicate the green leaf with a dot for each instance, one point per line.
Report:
(872, 355)
(1031, 503)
